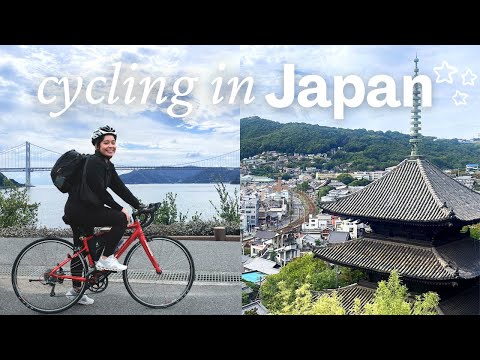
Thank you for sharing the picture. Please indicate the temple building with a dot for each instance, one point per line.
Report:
(416, 213)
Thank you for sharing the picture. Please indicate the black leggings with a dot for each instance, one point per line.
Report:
(79, 220)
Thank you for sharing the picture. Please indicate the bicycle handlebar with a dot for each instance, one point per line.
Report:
(149, 211)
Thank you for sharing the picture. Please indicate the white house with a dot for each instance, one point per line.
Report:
(349, 226)
(318, 222)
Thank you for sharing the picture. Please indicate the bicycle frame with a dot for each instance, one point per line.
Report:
(137, 233)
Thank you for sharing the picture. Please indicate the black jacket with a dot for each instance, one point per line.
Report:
(101, 174)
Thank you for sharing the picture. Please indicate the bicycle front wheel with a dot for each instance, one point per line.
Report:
(31, 281)
(159, 290)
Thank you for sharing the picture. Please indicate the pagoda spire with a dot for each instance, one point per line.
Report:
(415, 136)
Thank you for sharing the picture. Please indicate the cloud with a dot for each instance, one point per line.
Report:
(22, 68)
(265, 65)
(193, 155)
(147, 134)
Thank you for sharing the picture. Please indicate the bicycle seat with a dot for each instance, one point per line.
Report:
(88, 231)
(85, 231)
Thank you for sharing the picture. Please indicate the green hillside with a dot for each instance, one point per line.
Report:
(3, 178)
(182, 176)
(360, 149)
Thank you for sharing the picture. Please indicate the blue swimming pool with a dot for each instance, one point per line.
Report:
(254, 276)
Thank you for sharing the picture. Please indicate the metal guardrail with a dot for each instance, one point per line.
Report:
(146, 276)
(219, 235)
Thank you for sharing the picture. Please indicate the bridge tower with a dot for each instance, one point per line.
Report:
(27, 165)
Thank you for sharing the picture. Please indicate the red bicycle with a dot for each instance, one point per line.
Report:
(158, 277)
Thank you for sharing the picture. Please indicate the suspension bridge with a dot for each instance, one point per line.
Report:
(29, 157)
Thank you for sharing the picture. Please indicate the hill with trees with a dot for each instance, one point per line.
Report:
(4, 181)
(350, 149)
(182, 176)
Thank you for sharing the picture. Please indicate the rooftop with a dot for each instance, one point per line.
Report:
(457, 259)
(347, 294)
(415, 191)
(261, 310)
(262, 265)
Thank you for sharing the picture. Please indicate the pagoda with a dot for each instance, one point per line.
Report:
(416, 213)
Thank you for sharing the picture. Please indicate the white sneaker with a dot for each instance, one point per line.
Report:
(84, 300)
(110, 263)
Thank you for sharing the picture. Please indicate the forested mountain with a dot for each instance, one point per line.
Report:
(360, 149)
(182, 176)
(3, 178)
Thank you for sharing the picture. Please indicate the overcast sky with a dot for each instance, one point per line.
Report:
(147, 134)
(444, 119)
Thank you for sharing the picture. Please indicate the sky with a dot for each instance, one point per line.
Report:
(147, 133)
(449, 116)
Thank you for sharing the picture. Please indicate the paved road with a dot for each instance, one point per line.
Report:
(211, 258)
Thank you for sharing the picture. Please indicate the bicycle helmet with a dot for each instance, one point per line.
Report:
(101, 132)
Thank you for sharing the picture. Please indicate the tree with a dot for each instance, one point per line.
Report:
(167, 212)
(425, 304)
(228, 210)
(300, 271)
(245, 298)
(328, 305)
(252, 296)
(6, 182)
(364, 150)
(303, 305)
(303, 186)
(14, 207)
(347, 276)
(391, 299)
(475, 231)
(324, 190)
(360, 182)
(345, 178)
(251, 312)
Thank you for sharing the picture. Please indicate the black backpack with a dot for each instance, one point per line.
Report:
(67, 171)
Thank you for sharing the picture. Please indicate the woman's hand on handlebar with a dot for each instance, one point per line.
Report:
(127, 214)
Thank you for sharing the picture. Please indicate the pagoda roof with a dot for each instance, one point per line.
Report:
(362, 290)
(456, 260)
(466, 302)
(415, 191)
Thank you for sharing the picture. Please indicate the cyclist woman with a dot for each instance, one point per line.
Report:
(79, 214)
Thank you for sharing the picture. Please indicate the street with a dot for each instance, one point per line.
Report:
(216, 290)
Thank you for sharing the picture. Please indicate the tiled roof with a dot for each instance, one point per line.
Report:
(415, 191)
(261, 234)
(347, 295)
(336, 237)
(464, 303)
(464, 255)
(459, 259)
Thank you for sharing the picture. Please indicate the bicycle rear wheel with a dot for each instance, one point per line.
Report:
(30, 280)
(159, 290)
